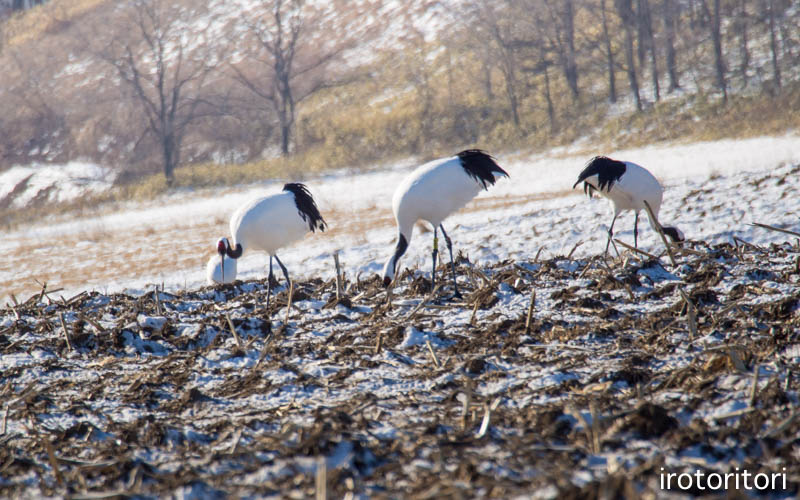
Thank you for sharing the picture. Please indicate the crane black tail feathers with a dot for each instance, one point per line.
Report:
(481, 166)
(608, 171)
(306, 206)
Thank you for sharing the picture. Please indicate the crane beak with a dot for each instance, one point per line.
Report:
(221, 252)
(222, 247)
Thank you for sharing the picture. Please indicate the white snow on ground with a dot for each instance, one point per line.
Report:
(169, 240)
(56, 183)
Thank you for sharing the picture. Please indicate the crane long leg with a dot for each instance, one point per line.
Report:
(636, 231)
(452, 262)
(611, 231)
(435, 253)
(283, 268)
(269, 283)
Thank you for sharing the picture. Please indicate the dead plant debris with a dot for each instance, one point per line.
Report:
(590, 394)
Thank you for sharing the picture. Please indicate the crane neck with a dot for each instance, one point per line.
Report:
(234, 253)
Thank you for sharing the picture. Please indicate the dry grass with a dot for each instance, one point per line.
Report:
(703, 117)
(692, 118)
(46, 18)
(498, 409)
(686, 119)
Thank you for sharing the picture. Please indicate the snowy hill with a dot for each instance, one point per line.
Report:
(374, 80)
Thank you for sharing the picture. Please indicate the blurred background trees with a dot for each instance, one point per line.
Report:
(162, 67)
(150, 85)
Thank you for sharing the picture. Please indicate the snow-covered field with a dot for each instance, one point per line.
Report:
(616, 373)
(22, 187)
(168, 241)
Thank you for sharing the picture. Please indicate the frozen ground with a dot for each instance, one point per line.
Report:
(620, 369)
(28, 186)
(170, 239)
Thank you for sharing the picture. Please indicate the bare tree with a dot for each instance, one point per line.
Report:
(641, 45)
(289, 64)
(529, 47)
(628, 17)
(486, 72)
(742, 26)
(489, 20)
(562, 21)
(542, 67)
(714, 25)
(33, 110)
(773, 42)
(649, 41)
(696, 17)
(540, 51)
(670, 26)
(543, 64)
(421, 75)
(609, 53)
(164, 62)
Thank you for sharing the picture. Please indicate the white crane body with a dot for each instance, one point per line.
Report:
(432, 192)
(266, 224)
(627, 186)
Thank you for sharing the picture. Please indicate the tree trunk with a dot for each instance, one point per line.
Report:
(773, 45)
(631, 63)
(570, 66)
(669, 38)
(285, 110)
(646, 21)
(511, 93)
(286, 132)
(626, 14)
(551, 113)
(486, 74)
(612, 85)
(641, 35)
(168, 153)
(508, 67)
(695, 15)
(744, 49)
(716, 37)
(507, 61)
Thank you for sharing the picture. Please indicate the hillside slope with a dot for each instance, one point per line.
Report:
(393, 80)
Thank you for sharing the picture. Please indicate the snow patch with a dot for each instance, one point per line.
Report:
(21, 186)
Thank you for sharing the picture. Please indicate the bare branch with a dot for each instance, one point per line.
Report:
(287, 66)
(165, 75)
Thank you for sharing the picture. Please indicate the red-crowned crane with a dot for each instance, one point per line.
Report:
(431, 193)
(214, 269)
(627, 186)
(266, 224)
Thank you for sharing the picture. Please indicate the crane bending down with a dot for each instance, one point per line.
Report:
(627, 186)
(432, 192)
(266, 224)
